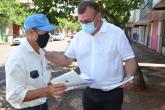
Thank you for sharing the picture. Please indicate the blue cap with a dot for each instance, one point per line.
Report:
(39, 22)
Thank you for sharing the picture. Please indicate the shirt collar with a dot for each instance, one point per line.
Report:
(28, 46)
(30, 49)
(104, 26)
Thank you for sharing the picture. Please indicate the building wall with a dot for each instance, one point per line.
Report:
(16, 30)
(159, 37)
(155, 2)
(151, 24)
(135, 35)
(148, 34)
(143, 30)
(162, 37)
(137, 15)
(139, 34)
(154, 35)
(2, 30)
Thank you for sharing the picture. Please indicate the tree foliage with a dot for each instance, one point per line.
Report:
(118, 11)
(12, 11)
(68, 25)
(115, 11)
(55, 9)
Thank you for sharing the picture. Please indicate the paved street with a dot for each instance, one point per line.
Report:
(4, 52)
(152, 65)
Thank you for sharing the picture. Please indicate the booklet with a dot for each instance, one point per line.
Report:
(72, 80)
(111, 86)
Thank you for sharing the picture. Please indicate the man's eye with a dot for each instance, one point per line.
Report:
(85, 22)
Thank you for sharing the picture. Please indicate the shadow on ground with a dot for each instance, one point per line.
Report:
(134, 99)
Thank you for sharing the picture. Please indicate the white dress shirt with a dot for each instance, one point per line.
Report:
(101, 57)
(19, 78)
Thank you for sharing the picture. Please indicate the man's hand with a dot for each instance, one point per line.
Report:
(56, 90)
(130, 70)
(58, 58)
(52, 90)
(128, 85)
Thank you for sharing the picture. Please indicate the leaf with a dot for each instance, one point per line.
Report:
(12, 11)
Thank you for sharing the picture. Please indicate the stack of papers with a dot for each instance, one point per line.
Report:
(110, 86)
(73, 81)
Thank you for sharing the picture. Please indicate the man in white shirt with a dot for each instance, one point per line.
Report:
(27, 74)
(100, 49)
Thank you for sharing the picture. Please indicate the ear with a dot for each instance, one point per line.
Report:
(99, 16)
(30, 31)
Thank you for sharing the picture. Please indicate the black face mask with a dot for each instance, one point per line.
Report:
(42, 40)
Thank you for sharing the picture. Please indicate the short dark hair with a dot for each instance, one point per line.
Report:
(84, 4)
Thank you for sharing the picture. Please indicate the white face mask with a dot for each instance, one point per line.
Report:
(88, 27)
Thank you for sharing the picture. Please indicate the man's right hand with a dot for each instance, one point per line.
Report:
(56, 90)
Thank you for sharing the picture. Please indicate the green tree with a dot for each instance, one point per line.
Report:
(55, 9)
(115, 11)
(118, 11)
(68, 25)
(12, 11)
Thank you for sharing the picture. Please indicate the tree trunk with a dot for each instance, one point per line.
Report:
(140, 79)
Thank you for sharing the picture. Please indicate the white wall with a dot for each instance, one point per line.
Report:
(131, 19)
(155, 2)
(137, 15)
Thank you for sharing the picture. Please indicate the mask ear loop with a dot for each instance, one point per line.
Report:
(99, 23)
(97, 20)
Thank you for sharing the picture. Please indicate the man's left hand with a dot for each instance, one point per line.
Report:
(128, 85)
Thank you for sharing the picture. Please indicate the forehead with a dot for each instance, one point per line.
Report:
(87, 14)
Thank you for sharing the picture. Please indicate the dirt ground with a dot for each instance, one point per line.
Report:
(134, 99)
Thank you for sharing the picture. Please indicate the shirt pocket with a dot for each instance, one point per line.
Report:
(34, 78)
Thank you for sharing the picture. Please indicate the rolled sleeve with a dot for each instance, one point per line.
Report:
(17, 96)
(15, 82)
(124, 48)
